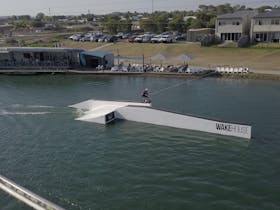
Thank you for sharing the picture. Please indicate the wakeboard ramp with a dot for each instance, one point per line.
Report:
(103, 112)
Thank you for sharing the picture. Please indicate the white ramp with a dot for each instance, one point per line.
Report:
(102, 111)
(159, 117)
(106, 111)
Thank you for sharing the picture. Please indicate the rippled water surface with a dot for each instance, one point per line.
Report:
(128, 165)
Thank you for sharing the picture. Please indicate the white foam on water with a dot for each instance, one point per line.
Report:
(30, 106)
(39, 106)
(23, 113)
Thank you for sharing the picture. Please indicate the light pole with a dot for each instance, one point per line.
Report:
(152, 6)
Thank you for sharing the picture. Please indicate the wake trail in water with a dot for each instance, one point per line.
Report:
(23, 113)
(23, 109)
(30, 106)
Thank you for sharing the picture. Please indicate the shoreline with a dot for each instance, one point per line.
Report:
(255, 74)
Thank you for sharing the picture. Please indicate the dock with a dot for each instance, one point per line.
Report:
(31, 199)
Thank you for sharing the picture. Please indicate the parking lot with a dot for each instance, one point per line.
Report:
(166, 37)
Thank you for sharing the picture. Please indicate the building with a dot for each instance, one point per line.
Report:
(39, 57)
(93, 59)
(196, 35)
(265, 27)
(46, 58)
(234, 25)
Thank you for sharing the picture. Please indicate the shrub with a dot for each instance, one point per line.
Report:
(244, 41)
(209, 39)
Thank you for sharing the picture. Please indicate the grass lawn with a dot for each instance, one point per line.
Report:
(254, 58)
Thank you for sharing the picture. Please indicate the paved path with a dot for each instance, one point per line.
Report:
(260, 71)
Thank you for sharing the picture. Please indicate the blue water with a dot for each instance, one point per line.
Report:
(129, 165)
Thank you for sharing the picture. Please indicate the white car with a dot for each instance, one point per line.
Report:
(166, 39)
(156, 39)
(139, 38)
(75, 37)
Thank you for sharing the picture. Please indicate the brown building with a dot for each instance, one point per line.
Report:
(195, 35)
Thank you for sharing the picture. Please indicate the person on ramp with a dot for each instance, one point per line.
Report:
(145, 96)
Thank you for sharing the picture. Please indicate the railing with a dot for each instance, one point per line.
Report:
(26, 196)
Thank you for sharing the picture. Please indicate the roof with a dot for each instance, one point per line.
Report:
(100, 54)
(271, 14)
(39, 49)
(237, 15)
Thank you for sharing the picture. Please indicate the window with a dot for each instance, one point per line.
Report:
(27, 55)
(275, 22)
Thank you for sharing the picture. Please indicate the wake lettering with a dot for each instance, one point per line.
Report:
(231, 128)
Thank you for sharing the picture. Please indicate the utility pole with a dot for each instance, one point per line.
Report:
(118, 56)
(143, 61)
(152, 6)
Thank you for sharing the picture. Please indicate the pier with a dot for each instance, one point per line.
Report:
(26, 196)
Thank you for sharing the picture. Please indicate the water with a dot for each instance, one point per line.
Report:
(128, 165)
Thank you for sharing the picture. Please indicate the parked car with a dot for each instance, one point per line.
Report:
(85, 39)
(76, 37)
(126, 36)
(139, 38)
(120, 35)
(111, 39)
(102, 38)
(180, 37)
(166, 39)
(146, 38)
(156, 39)
(131, 39)
(95, 38)
(72, 36)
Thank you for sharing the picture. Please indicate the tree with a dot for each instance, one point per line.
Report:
(211, 23)
(112, 25)
(162, 22)
(195, 23)
(40, 16)
(125, 25)
(37, 23)
(177, 24)
(148, 25)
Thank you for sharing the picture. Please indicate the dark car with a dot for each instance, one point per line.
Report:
(111, 39)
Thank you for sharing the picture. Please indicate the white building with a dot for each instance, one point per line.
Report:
(234, 25)
(265, 27)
